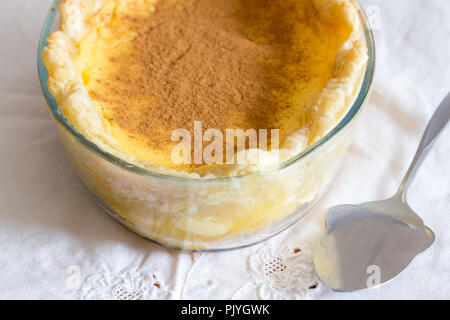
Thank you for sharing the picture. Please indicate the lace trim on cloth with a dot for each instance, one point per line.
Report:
(263, 272)
(283, 274)
(127, 286)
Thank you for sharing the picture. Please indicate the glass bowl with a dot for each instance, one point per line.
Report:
(207, 214)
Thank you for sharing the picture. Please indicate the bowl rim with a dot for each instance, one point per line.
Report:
(362, 98)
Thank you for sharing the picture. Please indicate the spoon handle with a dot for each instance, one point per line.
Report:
(434, 129)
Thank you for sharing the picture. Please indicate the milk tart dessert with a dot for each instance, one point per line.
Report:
(128, 73)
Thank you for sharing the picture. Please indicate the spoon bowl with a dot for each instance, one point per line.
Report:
(366, 245)
(369, 244)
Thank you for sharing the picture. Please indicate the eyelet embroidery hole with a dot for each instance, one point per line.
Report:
(274, 266)
(123, 294)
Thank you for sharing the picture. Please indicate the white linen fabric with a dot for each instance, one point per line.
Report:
(56, 243)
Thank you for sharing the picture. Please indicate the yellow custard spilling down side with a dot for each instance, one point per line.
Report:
(127, 73)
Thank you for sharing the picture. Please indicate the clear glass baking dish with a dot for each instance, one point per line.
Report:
(207, 214)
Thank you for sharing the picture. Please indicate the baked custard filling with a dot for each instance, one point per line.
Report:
(128, 73)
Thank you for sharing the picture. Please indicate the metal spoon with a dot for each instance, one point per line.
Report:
(366, 245)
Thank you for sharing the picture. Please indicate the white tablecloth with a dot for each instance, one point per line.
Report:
(56, 243)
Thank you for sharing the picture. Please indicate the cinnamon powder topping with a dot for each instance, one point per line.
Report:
(227, 63)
